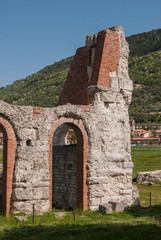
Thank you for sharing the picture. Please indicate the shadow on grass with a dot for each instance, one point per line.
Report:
(153, 211)
(88, 232)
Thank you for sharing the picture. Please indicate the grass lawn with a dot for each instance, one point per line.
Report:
(146, 160)
(136, 223)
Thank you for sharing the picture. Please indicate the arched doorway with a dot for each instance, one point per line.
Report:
(9, 150)
(67, 164)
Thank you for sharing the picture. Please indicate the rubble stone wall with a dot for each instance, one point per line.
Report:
(100, 120)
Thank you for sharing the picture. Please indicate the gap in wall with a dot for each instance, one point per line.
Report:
(64, 167)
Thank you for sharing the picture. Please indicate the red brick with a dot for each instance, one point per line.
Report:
(9, 151)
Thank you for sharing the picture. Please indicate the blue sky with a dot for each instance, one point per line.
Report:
(36, 33)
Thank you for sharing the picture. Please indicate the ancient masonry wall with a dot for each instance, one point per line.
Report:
(94, 102)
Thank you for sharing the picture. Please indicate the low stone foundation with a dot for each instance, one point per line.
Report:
(151, 176)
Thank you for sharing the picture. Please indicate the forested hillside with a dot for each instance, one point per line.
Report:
(143, 43)
(40, 89)
(145, 71)
(44, 87)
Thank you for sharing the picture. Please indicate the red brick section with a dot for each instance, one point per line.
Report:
(36, 112)
(106, 60)
(84, 107)
(9, 151)
(74, 90)
(82, 154)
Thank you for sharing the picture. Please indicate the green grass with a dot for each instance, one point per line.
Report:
(146, 160)
(135, 223)
(145, 195)
(89, 225)
(1, 156)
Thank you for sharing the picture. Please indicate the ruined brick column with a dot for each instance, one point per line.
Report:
(99, 78)
(94, 102)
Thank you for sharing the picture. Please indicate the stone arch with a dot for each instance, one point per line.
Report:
(9, 152)
(61, 134)
(82, 152)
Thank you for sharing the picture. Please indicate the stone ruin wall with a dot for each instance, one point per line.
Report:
(96, 105)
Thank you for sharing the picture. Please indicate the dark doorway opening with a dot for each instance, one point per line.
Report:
(64, 192)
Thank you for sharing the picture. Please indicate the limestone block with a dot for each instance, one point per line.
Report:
(126, 84)
(93, 208)
(152, 176)
(112, 206)
(41, 206)
(128, 165)
(39, 163)
(105, 199)
(128, 171)
(107, 97)
(22, 194)
(42, 146)
(116, 156)
(21, 175)
(119, 206)
(97, 180)
(22, 185)
(60, 215)
(105, 208)
(91, 40)
(94, 201)
(95, 193)
(41, 193)
(44, 174)
(127, 96)
(21, 218)
(116, 172)
(37, 184)
(135, 196)
(146, 183)
(114, 84)
(126, 192)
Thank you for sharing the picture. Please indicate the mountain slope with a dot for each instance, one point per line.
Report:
(40, 89)
(145, 71)
(44, 87)
(143, 43)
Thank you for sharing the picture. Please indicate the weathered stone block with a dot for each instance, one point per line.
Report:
(106, 208)
(135, 196)
(21, 218)
(149, 176)
(22, 194)
(112, 206)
